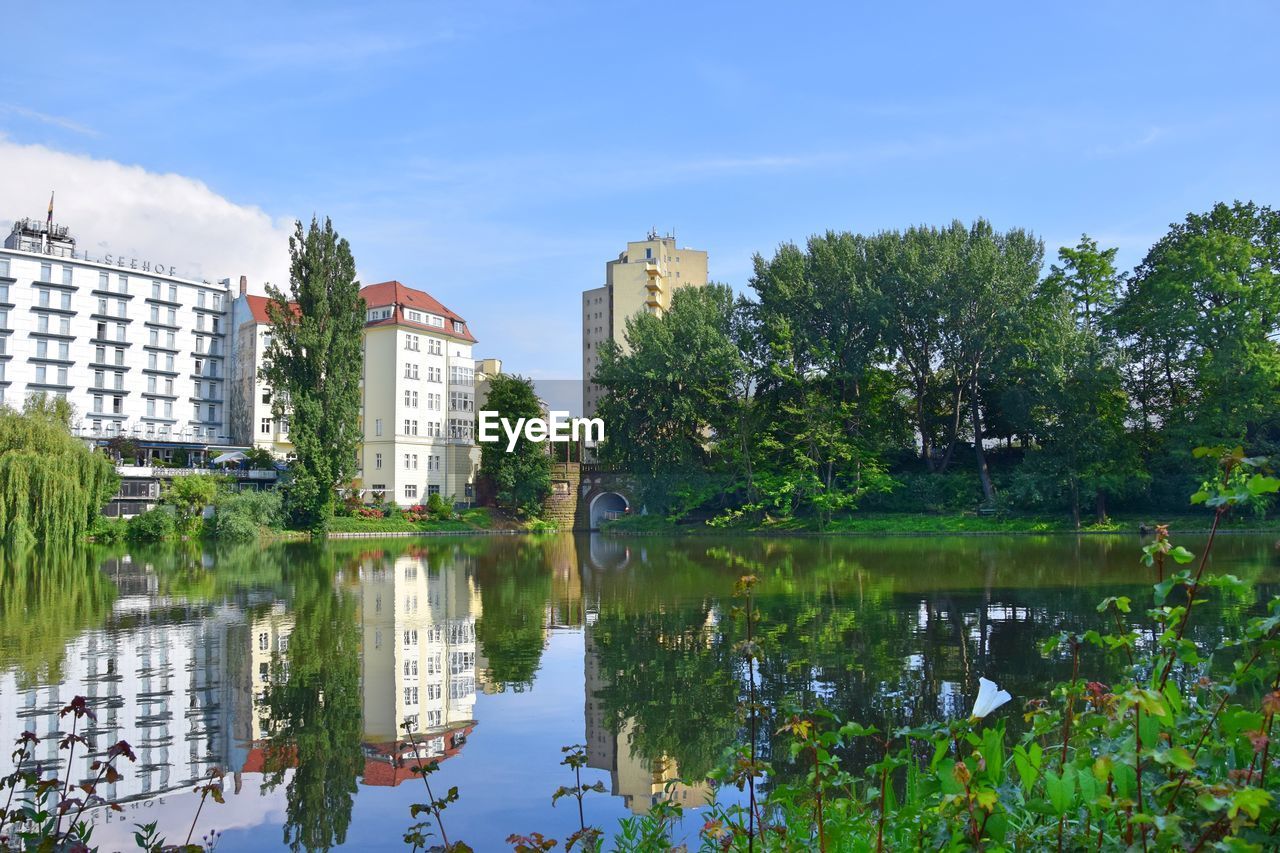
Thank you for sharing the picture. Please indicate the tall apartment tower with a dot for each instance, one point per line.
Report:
(643, 279)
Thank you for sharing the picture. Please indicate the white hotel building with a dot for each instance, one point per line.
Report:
(174, 364)
(134, 348)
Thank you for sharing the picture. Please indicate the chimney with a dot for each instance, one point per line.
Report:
(244, 285)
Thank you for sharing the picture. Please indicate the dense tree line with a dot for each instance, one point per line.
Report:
(945, 367)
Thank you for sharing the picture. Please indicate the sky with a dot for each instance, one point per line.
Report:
(497, 154)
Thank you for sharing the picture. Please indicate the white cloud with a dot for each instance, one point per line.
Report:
(161, 218)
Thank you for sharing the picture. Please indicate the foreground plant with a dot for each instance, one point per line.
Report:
(48, 813)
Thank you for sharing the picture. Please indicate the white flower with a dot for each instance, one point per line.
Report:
(989, 698)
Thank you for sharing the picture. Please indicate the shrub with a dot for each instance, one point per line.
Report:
(151, 526)
(924, 492)
(439, 508)
(239, 516)
(108, 530)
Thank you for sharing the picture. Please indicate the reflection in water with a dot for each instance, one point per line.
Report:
(295, 666)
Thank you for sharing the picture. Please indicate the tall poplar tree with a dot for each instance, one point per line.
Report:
(313, 364)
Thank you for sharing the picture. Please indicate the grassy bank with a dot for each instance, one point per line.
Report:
(479, 518)
(924, 523)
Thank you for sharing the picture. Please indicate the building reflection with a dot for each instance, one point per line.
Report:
(642, 782)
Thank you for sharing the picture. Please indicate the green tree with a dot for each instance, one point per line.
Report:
(314, 363)
(52, 487)
(521, 478)
(1081, 406)
(189, 495)
(1199, 316)
(666, 402)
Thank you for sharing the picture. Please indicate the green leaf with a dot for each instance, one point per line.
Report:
(1259, 484)
(1248, 800)
(1061, 789)
(1181, 555)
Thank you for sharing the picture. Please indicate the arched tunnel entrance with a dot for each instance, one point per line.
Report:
(606, 507)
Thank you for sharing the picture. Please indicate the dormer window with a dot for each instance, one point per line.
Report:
(413, 316)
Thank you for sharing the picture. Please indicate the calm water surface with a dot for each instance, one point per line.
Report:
(293, 666)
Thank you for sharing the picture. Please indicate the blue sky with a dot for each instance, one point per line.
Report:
(497, 154)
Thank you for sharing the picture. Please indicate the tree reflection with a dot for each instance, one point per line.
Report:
(314, 706)
(48, 597)
(515, 589)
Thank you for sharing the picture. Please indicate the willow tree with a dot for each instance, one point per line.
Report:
(313, 364)
(52, 486)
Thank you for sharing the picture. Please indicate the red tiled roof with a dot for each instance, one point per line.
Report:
(258, 308)
(394, 293)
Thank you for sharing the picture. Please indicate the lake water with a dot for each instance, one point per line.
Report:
(293, 666)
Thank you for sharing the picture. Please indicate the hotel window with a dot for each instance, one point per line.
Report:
(46, 272)
(435, 321)
(4, 317)
(212, 412)
(40, 374)
(411, 492)
(411, 461)
(170, 340)
(200, 298)
(377, 426)
(151, 361)
(168, 408)
(102, 305)
(435, 347)
(434, 374)
(410, 370)
(66, 275)
(199, 341)
(65, 300)
(168, 387)
(42, 348)
(199, 366)
(411, 342)
(119, 331)
(42, 297)
(42, 323)
(173, 317)
(154, 338)
(411, 399)
(117, 405)
(155, 313)
(460, 429)
(265, 426)
(119, 355)
(100, 355)
(410, 427)
(123, 284)
(462, 375)
(119, 381)
(64, 350)
(413, 316)
(97, 402)
(151, 407)
(433, 401)
(460, 401)
(200, 320)
(458, 327)
(411, 696)
(168, 363)
(173, 294)
(4, 292)
(151, 385)
(155, 291)
(217, 302)
(433, 490)
(4, 266)
(64, 325)
(377, 461)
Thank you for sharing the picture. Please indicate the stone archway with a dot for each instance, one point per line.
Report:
(605, 506)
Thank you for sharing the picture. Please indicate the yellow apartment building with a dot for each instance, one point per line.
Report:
(643, 279)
